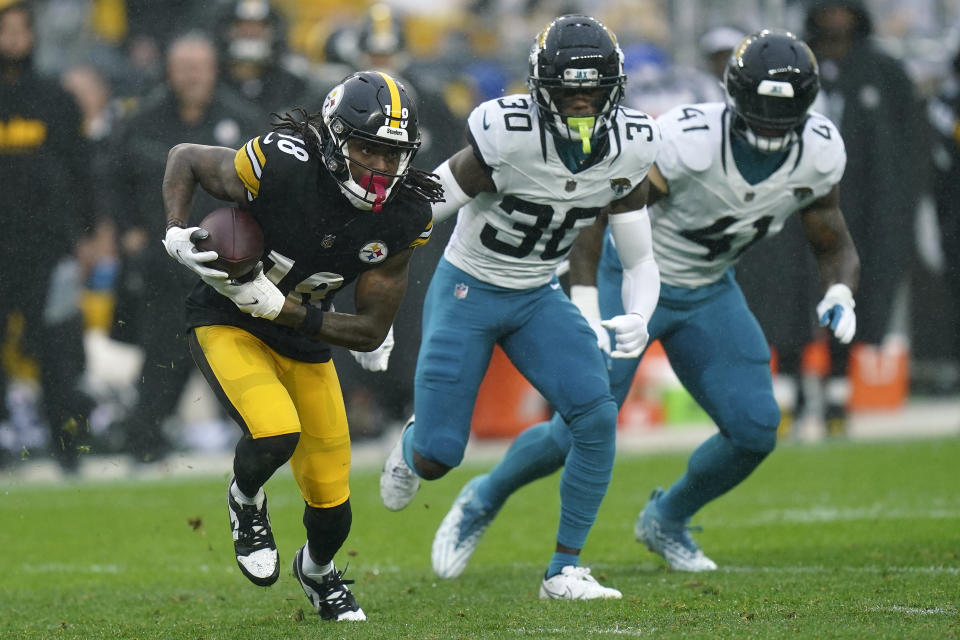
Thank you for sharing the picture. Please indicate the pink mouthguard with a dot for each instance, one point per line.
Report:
(377, 184)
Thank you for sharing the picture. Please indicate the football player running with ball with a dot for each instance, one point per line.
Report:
(540, 167)
(727, 175)
(337, 201)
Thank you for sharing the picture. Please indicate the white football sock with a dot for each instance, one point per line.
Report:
(242, 498)
(311, 568)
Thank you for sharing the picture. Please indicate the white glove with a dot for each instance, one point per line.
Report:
(836, 312)
(630, 332)
(603, 337)
(377, 359)
(258, 297)
(585, 297)
(179, 244)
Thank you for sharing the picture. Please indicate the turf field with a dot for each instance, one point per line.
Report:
(838, 540)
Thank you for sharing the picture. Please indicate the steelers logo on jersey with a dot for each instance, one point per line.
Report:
(373, 252)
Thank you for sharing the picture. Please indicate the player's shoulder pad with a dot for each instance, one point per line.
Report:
(501, 125)
(269, 154)
(638, 135)
(822, 140)
(424, 236)
(413, 216)
(689, 131)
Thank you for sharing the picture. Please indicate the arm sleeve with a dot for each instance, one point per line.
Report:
(641, 276)
(454, 196)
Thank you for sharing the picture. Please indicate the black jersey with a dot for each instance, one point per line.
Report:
(315, 240)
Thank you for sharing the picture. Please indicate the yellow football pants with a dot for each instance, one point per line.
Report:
(270, 395)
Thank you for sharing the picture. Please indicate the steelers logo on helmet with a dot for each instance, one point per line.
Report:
(372, 109)
(771, 80)
(332, 100)
(577, 54)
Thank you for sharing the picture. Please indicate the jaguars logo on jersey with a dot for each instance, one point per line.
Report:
(517, 237)
(620, 186)
(704, 226)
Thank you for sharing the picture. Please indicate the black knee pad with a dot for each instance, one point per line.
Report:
(255, 460)
(327, 530)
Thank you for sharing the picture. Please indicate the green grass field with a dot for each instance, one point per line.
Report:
(840, 540)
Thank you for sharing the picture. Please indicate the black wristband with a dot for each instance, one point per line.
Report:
(313, 321)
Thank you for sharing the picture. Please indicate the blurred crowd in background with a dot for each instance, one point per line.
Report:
(93, 93)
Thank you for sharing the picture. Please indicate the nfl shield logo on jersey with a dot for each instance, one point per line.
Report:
(620, 186)
(327, 241)
(571, 185)
(460, 291)
(373, 252)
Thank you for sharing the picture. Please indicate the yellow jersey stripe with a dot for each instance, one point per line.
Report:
(395, 106)
(255, 153)
(248, 162)
(424, 237)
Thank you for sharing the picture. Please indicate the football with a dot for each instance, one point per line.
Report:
(237, 239)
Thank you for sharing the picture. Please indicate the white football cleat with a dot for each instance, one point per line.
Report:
(672, 540)
(398, 482)
(575, 583)
(459, 533)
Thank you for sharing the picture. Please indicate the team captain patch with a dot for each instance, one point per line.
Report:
(373, 252)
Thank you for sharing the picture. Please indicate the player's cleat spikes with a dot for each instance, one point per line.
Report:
(328, 594)
(670, 539)
(253, 542)
(575, 583)
(460, 531)
(398, 482)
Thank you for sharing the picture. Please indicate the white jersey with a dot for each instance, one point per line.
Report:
(515, 238)
(712, 214)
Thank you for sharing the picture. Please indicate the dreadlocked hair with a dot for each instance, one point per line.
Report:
(424, 185)
(307, 126)
(421, 184)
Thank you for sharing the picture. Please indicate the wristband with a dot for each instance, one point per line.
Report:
(312, 321)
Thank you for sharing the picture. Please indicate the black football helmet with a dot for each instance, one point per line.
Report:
(372, 106)
(576, 52)
(771, 80)
(251, 31)
(382, 31)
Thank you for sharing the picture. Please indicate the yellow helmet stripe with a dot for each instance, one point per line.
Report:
(395, 112)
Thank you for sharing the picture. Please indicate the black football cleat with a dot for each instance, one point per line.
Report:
(253, 542)
(329, 594)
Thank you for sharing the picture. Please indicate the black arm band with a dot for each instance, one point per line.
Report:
(313, 321)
